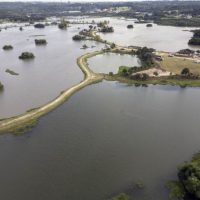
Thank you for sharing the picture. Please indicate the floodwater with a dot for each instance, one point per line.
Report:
(101, 142)
(162, 38)
(110, 62)
(53, 70)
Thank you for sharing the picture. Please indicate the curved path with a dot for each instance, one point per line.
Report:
(21, 122)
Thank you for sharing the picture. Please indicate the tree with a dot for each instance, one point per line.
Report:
(113, 45)
(185, 72)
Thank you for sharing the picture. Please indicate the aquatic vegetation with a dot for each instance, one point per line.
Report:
(11, 72)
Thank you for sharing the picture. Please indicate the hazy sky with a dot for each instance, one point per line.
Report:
(68, 0)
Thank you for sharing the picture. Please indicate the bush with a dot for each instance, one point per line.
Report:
(185, 72)
(26, 56)
(7, 47)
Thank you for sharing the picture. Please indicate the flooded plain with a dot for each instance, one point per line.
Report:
(107, 137)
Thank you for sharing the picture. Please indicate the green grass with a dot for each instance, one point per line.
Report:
(176, 65)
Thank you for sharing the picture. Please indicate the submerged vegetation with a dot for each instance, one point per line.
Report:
(11, 72)
(7, 47)
(26, 56)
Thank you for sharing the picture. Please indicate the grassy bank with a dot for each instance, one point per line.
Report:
(155, 81)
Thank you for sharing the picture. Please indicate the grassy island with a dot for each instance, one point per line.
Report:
(40, 42)
(130, 26)
(7, 47)
(26, 56)
(11, 72)
(39, 26)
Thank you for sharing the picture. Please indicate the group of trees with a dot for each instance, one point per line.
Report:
(195, 40)
(133, 73)
(146, 56)
(185, 73)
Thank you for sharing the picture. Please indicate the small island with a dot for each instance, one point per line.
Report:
(11, 72)
(106, 29)
(7, 47)
(130, 26)
(40, 42)
(26, 56)
(149, 25)
(78, 37)
(39, 26)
